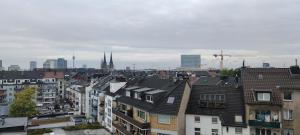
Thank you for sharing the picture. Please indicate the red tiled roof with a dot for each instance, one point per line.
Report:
(270, 79)
(58, 75)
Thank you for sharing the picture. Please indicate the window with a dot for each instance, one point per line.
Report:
(263, 115)
(288, 132)
(171, 100)
(197, 119)
(109, 112)
(197, 131)
(149, 98)
(288, 114)
(214, 120)
(263, 96)
(287, 96)
(262, 131)
(141, 114)
(260, 77)
(164, 119)
(238, 130)
(123, 107)
(238, 118)
(138, 96)
(214, 132)
(128, 93)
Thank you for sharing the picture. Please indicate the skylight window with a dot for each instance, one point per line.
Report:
(171, 100)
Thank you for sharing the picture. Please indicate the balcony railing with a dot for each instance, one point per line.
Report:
(264, 124)
(129, 119)
(120, 128)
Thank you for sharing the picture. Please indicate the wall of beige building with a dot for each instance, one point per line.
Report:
(181, 113)
(295, 106)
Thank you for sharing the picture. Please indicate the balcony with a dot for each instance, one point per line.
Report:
(128, 117)
(258, 123)
(117, 125)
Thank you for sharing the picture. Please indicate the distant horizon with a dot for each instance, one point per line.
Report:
(150, 34)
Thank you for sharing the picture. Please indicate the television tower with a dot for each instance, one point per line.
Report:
(73, 58)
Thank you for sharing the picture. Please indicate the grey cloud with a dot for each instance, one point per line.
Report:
(271, 27)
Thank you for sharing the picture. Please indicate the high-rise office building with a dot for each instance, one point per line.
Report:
(190, 61)
(1, 67)
(33, 65)
(50, 64)
(62, 63)
(14, 68)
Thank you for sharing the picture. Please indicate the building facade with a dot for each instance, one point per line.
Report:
(62, 63)
(190, 61)
(33, 65)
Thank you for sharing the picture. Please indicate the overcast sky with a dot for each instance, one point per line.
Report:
(150, 33)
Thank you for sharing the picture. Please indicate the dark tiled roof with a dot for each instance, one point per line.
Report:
(173, 89)
(255, 79)
(234, 103)
(170, 108)
(21, 75)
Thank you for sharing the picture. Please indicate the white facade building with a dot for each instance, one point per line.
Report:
(76, 94)
(109, 103)
(211, 125)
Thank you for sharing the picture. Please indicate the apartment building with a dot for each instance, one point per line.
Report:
(111, 93)
(12, 82)
(263, 101)
(290, 94)
(216, 110)
(151, 106)
(76, 96)
(95, 96)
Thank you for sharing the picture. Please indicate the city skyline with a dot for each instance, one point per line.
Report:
(149, 38)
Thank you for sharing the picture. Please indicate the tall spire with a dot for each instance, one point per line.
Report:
(104, 59)
(103, 62)
(111, 63)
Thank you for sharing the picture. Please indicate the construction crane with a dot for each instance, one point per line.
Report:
(222, 58)
(227, 55)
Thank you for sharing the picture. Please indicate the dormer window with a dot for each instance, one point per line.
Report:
(149, 98)
(127, 93)
(238, 119)
(138, 96)
(263, 96)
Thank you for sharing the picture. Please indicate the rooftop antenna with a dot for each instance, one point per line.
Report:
(243, 63)
(296, 61)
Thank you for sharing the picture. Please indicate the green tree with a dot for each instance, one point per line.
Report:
(23, 105)
(230, 72)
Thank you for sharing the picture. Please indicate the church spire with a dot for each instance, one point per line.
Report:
(111, 63)
(103, 62)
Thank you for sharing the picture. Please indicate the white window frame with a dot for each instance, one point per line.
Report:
(139, 112)
(286, 131)
(150, 99)
(213, 132)
(196, 120)
(214, 122)
(238, 118)
(288, 114)
(159, 116)
(264, 96)
(238, 130)
(138, 95)
(196, 132)
(128, 93)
